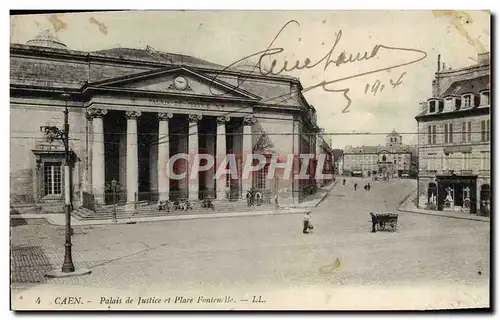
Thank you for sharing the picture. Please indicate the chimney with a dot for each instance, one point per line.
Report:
(483, 59)
(439, 62)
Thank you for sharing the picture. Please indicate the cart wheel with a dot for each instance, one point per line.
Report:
(381, 226)
(393, 226)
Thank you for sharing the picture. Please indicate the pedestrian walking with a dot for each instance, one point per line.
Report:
(374, 222)
(369, 186)
(343, 182)
(355, 186)
(307, 220)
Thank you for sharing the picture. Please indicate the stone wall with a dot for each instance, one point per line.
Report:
(26, 118)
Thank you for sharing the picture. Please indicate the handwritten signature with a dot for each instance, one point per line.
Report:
(328, 60)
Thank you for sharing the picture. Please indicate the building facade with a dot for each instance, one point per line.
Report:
(454, 140)
(324, 149)
(131, 110)
(388, 161)
(338, 155)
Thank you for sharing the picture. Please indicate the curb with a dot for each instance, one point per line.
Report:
(320, 200)
(132, 220)
(408, 198)
(444, 216)
(326, 193)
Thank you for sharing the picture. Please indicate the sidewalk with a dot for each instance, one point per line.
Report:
(60, 219)
(409, 206)
(315, 199)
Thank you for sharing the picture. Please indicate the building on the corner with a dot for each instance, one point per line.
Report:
(130, 110)
(388, 161)
(454, 140)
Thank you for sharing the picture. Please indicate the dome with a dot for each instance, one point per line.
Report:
(46, 39)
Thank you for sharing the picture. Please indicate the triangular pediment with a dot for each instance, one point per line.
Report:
(181, 80)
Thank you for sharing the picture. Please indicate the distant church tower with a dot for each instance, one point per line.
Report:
(393, 139)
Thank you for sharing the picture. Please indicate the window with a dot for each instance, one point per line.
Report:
(485, 98)
(52, 177)
(485, 130)
(432, 106)
(467, 101)
(450, 104)
(384, 158)
(448, 133)
(260, 178)
(429, 134)
(434, 134)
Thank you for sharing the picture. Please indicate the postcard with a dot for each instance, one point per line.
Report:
(250, 160)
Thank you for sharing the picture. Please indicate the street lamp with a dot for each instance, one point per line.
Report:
(68, 265)
(53, 133)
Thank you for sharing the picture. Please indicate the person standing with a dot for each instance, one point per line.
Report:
(305, 229)
(374, 222)
(355, 186)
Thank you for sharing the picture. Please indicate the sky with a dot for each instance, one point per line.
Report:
(224, 37)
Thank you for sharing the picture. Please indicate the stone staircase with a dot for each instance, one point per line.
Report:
(146, 209)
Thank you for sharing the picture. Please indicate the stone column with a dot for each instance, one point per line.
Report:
(163, 155)
(132, 157)
(98, 158)
(248, 121)
(194, 183)
(221, 154)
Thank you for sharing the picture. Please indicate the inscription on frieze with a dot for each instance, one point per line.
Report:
(183, 104)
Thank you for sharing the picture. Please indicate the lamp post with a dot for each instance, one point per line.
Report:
(68, 265)
(52, 132)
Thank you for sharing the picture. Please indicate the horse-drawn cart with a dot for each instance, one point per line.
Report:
(387, 219)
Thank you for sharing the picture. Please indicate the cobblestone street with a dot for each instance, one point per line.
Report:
(267, 252)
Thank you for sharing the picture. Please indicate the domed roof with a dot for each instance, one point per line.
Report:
(46, 39)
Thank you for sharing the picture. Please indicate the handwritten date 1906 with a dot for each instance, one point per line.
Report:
(325, 61)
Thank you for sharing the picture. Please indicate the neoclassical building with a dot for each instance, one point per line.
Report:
(455, 140)
(131, 110)
(394, 159)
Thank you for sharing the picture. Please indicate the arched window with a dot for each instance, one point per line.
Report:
(384, 158)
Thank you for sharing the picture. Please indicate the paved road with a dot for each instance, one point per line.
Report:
(270, 252)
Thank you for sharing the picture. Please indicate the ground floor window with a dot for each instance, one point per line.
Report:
(52, 177)
(456, 195)
(259, 178)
